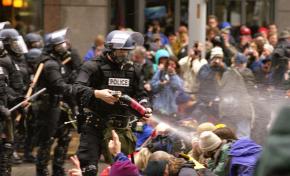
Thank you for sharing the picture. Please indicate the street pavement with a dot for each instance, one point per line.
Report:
(28, 169)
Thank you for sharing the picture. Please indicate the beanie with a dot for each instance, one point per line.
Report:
(216, 52)
(208, 141)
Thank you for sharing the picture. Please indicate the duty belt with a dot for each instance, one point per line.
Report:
(115, 121)
(91, 119)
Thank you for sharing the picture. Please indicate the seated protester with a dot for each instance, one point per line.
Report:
(206, 126)
(174, 167)
(167, 141)
(165, 86)
(233, 156)
(216, 150)
(243, 154)
(171, 167)
(141, 158)
(142, 131)
(225, 133)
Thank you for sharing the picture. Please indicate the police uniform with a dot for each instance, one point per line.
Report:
(32, 58)
(10, 85)
(100, 118)
(52, 78)
(68, 110)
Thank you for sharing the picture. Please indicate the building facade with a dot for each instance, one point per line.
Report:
(87, 18)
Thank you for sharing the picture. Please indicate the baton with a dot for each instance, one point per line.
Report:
(27, 99)
(66, 61)
(71, 121)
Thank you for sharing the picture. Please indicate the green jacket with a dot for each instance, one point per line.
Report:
(276, 153)
(219, 164)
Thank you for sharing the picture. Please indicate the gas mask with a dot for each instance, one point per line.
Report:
(121, 58)
(61, 49)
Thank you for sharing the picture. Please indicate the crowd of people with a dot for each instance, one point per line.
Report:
(196, 110)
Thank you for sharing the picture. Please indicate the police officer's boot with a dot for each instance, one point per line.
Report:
(58, 161)
(5, 159)
(90, 170)
(60, 153)
(28, 157)
(16, 158)
(42, 158)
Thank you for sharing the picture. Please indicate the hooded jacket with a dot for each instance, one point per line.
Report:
(244, 154)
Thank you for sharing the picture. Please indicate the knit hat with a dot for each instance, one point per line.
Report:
(240, 58)
(124, 168)
(269, 47)
(207, 126)
(216, 52)
(155, 168)
(208, 141)
(284, 34)
(220, 125)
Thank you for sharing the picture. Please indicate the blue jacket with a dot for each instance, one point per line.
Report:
(244, 154)
(90, 54)
(164, 95)
(142, 137)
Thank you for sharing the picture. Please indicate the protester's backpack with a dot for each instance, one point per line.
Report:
(244, 154)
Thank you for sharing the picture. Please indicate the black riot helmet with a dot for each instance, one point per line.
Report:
(33, 40)
(55, 42)
(32, 57)
(13, 42)
(122, 40)
(2, 49)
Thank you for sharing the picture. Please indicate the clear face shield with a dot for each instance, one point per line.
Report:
(121, 44)
(18, 45)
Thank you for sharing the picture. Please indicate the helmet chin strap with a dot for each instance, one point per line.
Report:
(109, 57)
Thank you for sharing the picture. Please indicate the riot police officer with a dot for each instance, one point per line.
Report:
(11, 83)
(5, 144)
(102, 111)
(31, 131)
(33, 40)
(54, 52)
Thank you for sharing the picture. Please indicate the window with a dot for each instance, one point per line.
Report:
(25, 15)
